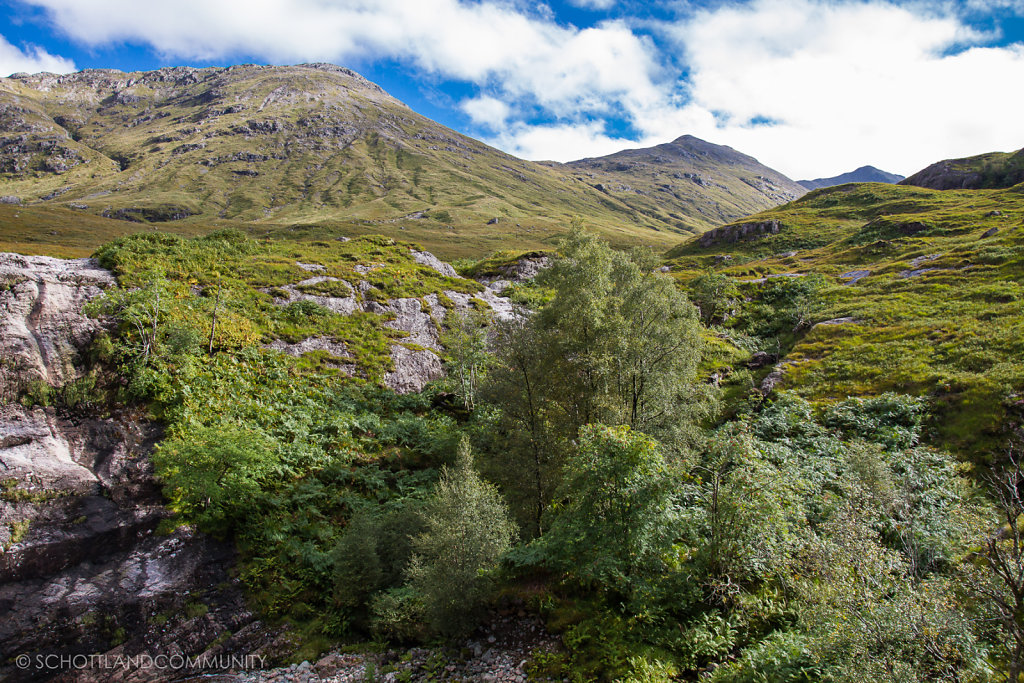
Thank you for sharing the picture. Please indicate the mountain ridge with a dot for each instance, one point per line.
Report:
(315, 144)
(992, 170)
(864, 174)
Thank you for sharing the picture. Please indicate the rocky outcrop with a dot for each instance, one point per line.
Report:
(42, 326)
(739, 232)
(417, 356)
(82, 569)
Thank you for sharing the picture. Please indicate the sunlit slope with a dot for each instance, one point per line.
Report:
(281, 145)
(938, 308)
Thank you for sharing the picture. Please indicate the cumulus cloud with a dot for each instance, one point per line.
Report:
(811, 87)
(561, 68)
(486, 111)
(846, 84)
(562, 141)
(32, 59)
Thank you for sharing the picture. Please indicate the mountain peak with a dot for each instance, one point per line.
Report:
(864, 174)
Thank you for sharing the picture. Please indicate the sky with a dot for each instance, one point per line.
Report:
(812, 88)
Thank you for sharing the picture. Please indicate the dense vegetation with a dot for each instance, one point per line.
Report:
(579, 458)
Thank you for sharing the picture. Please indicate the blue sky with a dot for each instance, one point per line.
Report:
(810, 87)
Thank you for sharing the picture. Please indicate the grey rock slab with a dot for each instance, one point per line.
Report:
(41, 321)
(853, 276)
(425, 258)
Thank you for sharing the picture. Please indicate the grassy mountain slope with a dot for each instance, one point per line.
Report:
(864, 174)
(304, 145)
(985, 171)
(688, 183)
(937, 312)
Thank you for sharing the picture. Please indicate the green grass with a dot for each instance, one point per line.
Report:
(955, 334)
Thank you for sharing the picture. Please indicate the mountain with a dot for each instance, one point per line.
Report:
(992, 170)
(864, 174)
(688, 182)
(920, 294)
(268, 148)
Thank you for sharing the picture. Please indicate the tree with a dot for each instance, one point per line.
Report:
(621, 342)
(614, 516)
(715, 294)
(520, 385)
(466, 355)
(467, 529)
(213, 474)
(616, 344)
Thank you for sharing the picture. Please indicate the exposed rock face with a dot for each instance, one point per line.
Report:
(41, 321)
(740, 232)
(427, 259)
(417, 356)
(80, 566)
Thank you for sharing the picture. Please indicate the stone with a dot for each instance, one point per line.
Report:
(761, 359)
(837, 321)
(413, 369)
(990, 232)
(740, 232)
(425, 258)
(42, 326)
(854, 276)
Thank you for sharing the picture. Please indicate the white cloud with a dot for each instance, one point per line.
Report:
(850, 83)
(561, 142)
(486, 111)
(594, 4)
(844, 82)
(32, 59)
(490, 43)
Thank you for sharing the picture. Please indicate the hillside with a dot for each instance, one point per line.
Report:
(984, 171)
(864, 174)
(920, 294)
(278, 147)
(688, 182)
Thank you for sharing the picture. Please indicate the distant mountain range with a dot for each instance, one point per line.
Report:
(317, 144)
(864, 174)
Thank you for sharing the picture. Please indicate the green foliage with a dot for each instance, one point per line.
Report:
(466, 354)
(938, 315)
(613, 521)
(715, 296)
(176, 295)
(213, 475)
(615, 344)
(621, 342)
(466, 530)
